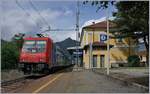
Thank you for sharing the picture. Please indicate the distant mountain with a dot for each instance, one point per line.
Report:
(67, 43)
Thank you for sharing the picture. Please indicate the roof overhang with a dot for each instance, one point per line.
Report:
(75, 47)
(98, 44)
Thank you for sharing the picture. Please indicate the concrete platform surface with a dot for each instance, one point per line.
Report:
(83, 81)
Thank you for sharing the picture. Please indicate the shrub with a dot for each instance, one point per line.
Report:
(9, 55)
(133, 61)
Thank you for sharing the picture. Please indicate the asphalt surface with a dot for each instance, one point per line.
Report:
(83, 81)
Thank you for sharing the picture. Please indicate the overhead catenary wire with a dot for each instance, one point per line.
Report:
(43, 19)
(28, 14)
(45, 22)
(59, 30)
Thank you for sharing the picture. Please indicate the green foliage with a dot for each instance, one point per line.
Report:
(133, 61)
(9, 55)
(131, 17)
(99, 4)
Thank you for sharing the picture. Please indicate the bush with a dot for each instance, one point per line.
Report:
(9, 55)
(134, 61)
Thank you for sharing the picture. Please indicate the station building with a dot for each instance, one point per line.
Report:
(93, 40)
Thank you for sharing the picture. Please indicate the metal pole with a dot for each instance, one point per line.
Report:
(77, 31)
(91, 55)
(108, 51)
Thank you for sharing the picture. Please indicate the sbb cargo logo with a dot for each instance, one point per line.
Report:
(103, 37)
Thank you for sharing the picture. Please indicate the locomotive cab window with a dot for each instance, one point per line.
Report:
(34, 46)
(29, 46)
(41, 46)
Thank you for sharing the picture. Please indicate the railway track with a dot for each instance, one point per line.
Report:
(6, 83)
(8, 86)
(11, 85)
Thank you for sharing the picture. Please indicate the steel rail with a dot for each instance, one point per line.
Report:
(6, 83)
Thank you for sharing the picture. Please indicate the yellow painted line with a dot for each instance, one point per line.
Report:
(45, 85)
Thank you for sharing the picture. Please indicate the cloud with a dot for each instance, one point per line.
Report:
(15, 20)
(61, 35)
(68, 12)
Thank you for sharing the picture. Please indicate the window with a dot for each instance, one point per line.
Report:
(34, 46)
(41, 46)
(94, 61)
(29, 46)
(102, 60)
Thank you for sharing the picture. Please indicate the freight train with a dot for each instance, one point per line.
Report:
(39, 55)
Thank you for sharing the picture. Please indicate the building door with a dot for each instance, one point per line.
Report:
(94, 60)
(102, 60)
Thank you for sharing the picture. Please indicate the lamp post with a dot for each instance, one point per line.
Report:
(77, 32)
(108, 50)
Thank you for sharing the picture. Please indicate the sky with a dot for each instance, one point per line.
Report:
(58, 15)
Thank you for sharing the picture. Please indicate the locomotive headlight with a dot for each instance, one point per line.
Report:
(22, 60)
(42, 59)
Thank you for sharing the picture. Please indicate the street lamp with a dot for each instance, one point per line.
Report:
(108, 51)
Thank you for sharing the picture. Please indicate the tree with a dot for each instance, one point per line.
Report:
(100, 4)
(9, 55)
(132, 19)
(10, 52)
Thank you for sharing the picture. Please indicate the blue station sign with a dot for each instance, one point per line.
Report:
(103, 37)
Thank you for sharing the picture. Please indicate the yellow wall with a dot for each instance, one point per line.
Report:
(118, 54)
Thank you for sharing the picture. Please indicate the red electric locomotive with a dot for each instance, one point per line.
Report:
(36, 55)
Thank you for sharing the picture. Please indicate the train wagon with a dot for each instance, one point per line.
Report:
(39, 55)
